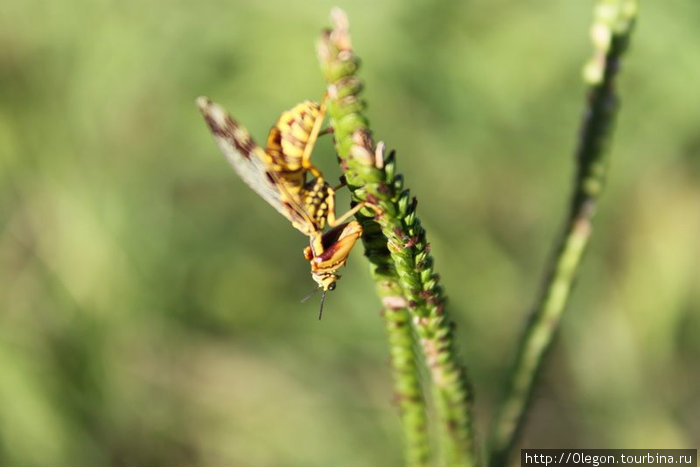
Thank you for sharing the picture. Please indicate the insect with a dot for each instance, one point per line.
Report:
(279, 175)
(292, 139)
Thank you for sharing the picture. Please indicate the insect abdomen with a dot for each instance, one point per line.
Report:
(289, 136)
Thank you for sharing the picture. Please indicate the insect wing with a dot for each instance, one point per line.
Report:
(247, 158)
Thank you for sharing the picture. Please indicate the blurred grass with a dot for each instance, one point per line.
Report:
(150, 301)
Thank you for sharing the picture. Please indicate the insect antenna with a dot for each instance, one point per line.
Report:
(313, 292)
(320, 310)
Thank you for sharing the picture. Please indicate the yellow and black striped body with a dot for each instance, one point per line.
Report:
(318, 199)
(291, 141)
(289, 147)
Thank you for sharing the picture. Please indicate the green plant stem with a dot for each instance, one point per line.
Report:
(395, 243)
(408, 391)
(407, 386)
(610, 32)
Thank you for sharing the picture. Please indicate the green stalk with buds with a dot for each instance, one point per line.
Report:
(612, 26)
(396, 245)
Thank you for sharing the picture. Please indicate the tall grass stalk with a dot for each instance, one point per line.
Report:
(396, 245)
(610, 33)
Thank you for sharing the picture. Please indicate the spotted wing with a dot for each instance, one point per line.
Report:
(249, 160)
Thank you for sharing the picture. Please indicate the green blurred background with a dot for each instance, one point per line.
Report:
(149, 307)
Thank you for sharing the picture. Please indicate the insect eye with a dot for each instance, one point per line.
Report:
(332, 286)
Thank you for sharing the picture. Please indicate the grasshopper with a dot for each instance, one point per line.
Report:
(279, 175)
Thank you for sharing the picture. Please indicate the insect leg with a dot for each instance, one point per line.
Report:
(334, 221)
(313, 136)
(343, 182)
